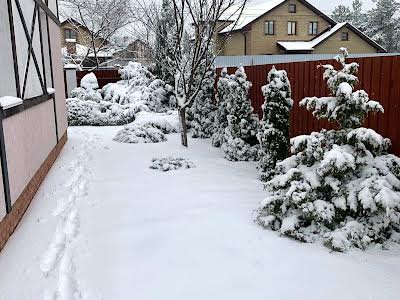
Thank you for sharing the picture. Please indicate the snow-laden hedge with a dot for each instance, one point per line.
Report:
(135, 134)
(171, 164)
(340, 186)
(90, 113)
(138, 91)
(137, 85)
(149, 127)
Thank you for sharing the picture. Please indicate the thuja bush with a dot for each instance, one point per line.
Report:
(339, 186)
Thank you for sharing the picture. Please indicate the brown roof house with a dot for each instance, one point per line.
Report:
(288, 26)
(33, 118)
(77, 45)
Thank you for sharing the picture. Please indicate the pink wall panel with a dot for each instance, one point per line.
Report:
(29, 137)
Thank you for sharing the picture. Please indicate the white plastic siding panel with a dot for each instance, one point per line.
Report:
(33, 83)
(29, 138)
(7, 77)
(46, 52)
(58, 73)
(53, 6)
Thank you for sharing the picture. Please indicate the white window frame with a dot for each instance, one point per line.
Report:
(313, 28)
(269, 27)
(292, 28)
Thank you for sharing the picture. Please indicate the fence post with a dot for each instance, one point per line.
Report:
(70, 78)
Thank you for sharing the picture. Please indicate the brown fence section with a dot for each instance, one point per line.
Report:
(379, 77)
(103, 76)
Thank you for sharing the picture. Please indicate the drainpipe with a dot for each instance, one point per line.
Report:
(245, 42)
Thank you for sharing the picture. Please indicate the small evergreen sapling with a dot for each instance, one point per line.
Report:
(274, 134)
(239, 143)
(220, 118)
(203, 108)
(340, 186)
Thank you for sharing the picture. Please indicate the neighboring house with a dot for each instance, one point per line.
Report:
(288, 26)
(136, 51)
(77, 45)
(33, 118)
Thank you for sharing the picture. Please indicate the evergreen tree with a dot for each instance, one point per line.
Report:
(164, 41)
(384, 24)
(220, 118)
(274, 134)
(339, 186)
(240, 134)
(342, 13)
(203, 108)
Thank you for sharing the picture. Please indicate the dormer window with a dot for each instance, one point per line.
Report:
(292, 8)
(345, 36)
(313, 28)
(70, 34)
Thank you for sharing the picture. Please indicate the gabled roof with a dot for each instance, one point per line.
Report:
(310, 45)
(251, 14)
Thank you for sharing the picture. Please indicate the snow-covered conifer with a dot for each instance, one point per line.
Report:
(240, 134)
(203, 107)
(340, 186)
(274, 133)
(220, 118)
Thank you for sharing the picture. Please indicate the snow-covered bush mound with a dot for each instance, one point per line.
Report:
(89, 81)
(138, 85)
(135, 134)
(91, 113)
(339, 186)
(88, 89)
(167, 122)
(171, 163)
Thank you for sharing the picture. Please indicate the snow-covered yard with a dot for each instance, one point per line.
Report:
(106, 226)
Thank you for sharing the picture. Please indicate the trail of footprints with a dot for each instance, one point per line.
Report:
(58, 262)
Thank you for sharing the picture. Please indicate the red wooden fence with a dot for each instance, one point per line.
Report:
(379, 77)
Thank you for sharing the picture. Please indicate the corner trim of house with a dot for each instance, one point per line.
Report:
(11, 220)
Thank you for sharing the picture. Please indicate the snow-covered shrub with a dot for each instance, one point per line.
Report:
(220, 118)
(90, 113)
(138, 85)
(274, 133)
(240, 134)
(171, 163)
(167, 122)
(89, 81)
(133, 133)
(203, 108)
(340, 186)
(88, 89)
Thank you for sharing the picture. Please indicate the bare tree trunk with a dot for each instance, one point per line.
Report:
(95, 54)
(182, 122)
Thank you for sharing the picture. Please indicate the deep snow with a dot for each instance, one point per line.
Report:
(105, 226)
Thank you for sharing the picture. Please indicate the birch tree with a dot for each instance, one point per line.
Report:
(201, 18)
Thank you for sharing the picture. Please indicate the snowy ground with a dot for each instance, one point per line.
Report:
(105, 226)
